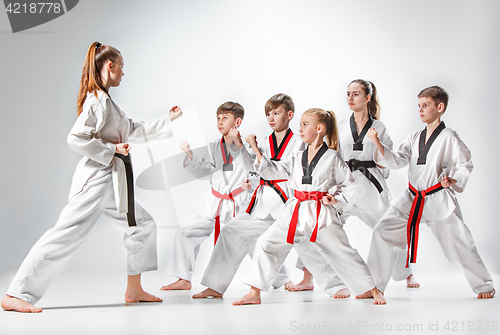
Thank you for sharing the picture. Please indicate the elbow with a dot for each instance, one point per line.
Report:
(71, 140)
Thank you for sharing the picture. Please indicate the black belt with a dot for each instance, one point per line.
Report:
(362, 166)
(130, 189)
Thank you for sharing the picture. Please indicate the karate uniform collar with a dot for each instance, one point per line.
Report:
(308, 168)
(358, 139)
(423, 148)
(277, 152)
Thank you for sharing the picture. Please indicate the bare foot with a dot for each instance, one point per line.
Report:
(10, 303)
(181, 284)
(208, 293)
(307, 284)
(484, 295)
(140, 296)
(289, 285)
(411, 282)
(252, 298)
(343, 293)
(374, 293)
(366, 295)
(378, 297)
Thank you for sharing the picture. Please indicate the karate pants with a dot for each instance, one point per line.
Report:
(455, 239)
(236, 240)
(55, 248)
(188, 240)
(272, 248)
(327, 278)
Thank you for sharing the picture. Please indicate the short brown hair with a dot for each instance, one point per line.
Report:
(230, 107)
(437, 94)
(277, 100)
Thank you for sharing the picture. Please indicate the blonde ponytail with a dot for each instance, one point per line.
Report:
(329, 120)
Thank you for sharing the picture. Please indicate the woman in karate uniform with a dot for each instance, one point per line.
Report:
(371, 198)
(312, 215)
(102, 184)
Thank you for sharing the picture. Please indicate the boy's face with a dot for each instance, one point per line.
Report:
(279, 118)
(226, 121)
(356, 97)
(429, 111)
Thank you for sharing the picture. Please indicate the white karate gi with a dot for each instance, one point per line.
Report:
(447, 156)
(367, 203)
(239, 235)
(99, 184)
(330, 174)
(201, 222)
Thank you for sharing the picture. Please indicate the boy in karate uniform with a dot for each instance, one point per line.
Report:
(239, 236)
(439, 165)
(230, 193)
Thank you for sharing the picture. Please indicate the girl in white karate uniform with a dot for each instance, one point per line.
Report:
(102, 184)
(313, 214)
(371, 198)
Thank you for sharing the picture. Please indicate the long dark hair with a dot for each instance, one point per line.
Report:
(373, 104)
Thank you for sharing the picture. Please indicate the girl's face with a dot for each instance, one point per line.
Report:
(356, 97)
(279, 118)
(309, 128)
(116, 72)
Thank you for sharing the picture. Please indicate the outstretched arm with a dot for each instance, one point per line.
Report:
(156, 129)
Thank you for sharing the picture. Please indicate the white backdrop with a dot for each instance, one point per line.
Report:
(203, 53)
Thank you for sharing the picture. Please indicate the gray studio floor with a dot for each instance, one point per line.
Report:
(87, 298)
(83, 304)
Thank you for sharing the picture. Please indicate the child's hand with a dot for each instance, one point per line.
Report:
(447, 182)
(246, 184)
(123, 148)
(329, 199)
(175, 113)
(184, 146)
(251, 140)
(234, 134)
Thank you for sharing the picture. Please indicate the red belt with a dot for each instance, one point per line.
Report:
(222, 197)
(414, 220)
(274, 185)
(302, 196)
